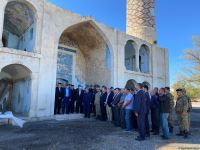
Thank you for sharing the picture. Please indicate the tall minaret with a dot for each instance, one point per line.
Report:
(141, 19)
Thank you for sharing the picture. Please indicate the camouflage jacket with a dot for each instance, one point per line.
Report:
(182, 104)
(171, 101)
(189, 103)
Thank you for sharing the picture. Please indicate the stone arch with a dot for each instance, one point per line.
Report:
(131, 84)
(15, 81)
(130, 55)
(77, 44)
(144, 58)
(19, 30)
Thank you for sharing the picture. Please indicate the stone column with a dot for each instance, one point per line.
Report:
(2, 9)
(141, 19)
(137, 59)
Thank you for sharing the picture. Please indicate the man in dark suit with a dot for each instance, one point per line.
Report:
(102, 103)
(115, 107)
(72, 100)
(140, 111)
(66, 101)
(87, 98)
(146, 90)
(59, 95)
(79, 99)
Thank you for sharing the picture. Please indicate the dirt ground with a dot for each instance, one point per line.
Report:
(90, 134)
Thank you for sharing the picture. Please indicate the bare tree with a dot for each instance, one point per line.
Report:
(193, 57)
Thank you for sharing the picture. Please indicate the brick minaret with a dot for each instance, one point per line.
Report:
(141, 19)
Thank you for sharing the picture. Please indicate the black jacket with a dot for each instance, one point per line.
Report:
(59, 93)
(164, 104)
(116, 99)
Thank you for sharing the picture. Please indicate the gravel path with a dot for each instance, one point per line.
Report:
(87, 134)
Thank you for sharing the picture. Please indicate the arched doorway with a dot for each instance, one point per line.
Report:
(130, 56)
(144, 59)
(15, 89)
(85, 54)
(19, 26)
(131, 84)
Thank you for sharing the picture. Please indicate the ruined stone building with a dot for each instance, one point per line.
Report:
(42, 44)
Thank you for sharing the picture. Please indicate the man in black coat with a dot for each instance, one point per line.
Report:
(79, 99)
(115, 107)
(102, 104)
(140, 110)
(164, 113)
(59, 95)
(72, 100)
(146, 90)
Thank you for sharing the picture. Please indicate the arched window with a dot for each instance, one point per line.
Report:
(19, 26)
(130, 56)
(108, 57)
(144, 59)
(15, 88)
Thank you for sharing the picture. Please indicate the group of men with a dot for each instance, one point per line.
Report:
(128, 108)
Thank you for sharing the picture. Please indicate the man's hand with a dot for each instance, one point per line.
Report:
(136, 114)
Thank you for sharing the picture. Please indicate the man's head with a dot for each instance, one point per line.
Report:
(179, 92)
(104, 89)
(156, 89)
(162, 91)
(59, 85)
(127, 90)
(153, 93)
(146, 88)
(86, 89)
(117, 90)
(167, 89)
(139, 86)
(79, 87)
(67, 85)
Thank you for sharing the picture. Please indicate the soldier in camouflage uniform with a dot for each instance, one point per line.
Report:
(189, 103)
(181, 108)
(170, 118)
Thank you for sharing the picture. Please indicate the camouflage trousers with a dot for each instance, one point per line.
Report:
(170, 120)
(183, 122)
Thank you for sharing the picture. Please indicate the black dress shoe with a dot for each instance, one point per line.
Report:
(152, 131)
(180, 134)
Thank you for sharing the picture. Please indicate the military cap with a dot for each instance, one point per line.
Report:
(179, 90)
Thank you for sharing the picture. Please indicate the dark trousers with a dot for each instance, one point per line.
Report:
(134, 121)
(103, 113)
(122, 118)
(57, 106)
(86, 108)
(116, 116)
(147, 124)
(65, 106)
(155, 120)
(71, 106)
(79, 107)
(141, 125)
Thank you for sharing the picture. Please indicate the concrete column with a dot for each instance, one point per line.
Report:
(137, 59)
(2, 10)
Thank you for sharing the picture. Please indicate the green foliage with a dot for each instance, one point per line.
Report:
(192, 91)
